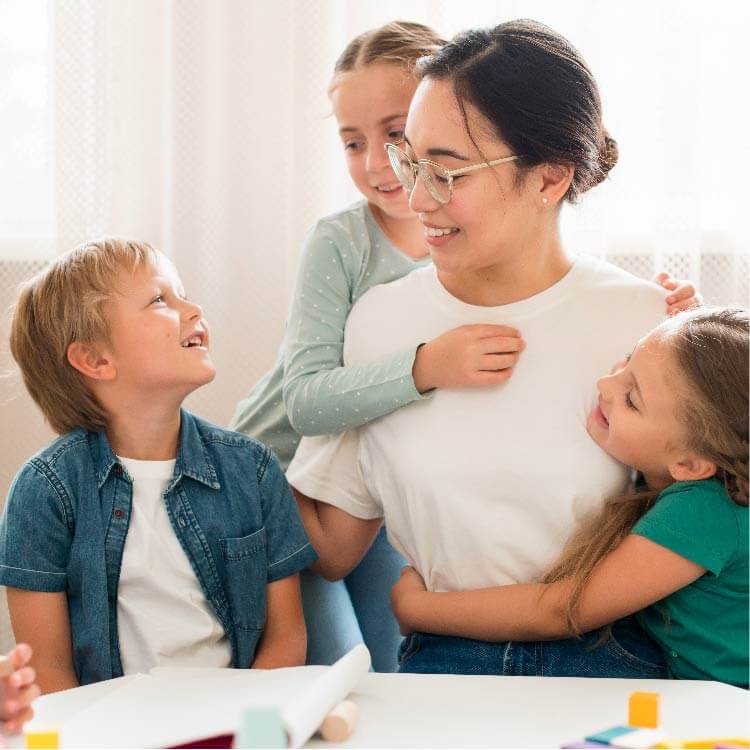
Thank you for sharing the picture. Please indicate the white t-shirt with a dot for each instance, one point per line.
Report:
(482, 487)
(163, 618)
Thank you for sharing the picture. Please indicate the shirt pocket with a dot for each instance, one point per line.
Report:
(246, 578)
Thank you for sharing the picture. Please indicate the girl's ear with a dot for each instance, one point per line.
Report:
(91, 361)
(690, 468)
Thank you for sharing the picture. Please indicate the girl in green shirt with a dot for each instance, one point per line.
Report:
(308, 391)
(676, 550)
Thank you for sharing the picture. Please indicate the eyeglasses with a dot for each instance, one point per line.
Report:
(436, 178)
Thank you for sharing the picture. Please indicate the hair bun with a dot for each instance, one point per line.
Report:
(608, 154)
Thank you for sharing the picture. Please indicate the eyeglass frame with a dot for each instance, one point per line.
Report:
(449, 173)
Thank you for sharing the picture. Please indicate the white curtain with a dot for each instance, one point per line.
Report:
(202, 126)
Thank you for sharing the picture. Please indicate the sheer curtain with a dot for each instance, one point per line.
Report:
(203, 127)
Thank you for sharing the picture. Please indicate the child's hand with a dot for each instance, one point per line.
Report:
(684, 295)
(18, 690)
(402, 594)
(471, 355)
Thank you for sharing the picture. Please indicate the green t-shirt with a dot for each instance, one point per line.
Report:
(705, 635)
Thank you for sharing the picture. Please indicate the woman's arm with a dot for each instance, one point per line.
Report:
(284, 639)
(340, 539)
(41, 620)
(636, 574)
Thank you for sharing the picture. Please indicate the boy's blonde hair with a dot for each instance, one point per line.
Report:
(62, 304)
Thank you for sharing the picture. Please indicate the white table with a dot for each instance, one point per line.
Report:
(464, 711)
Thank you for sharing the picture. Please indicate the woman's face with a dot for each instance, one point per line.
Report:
(489, 216)
(370, 105)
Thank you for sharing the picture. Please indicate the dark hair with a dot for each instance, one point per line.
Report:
(399, 42)
(538, 93)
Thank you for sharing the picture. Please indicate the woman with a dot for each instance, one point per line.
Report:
(483, 487)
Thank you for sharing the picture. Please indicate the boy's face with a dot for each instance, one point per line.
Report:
(158, 339)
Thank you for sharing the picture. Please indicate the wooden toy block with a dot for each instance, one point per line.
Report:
(40, 737)
(643, 710)
(261, 727)
(339, 724)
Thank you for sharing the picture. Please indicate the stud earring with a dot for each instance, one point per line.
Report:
(545, 200)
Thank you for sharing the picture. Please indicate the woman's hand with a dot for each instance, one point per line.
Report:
(403, 597)
(18, 690)
(467, 356)
(684, 295)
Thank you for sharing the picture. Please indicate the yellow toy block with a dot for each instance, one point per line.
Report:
(643, 710)
(42, 737)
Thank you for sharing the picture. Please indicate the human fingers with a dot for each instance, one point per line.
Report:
(22, 677)
(501, 345)
(19, 655)
(27, 695)
(494, 362)
(490, 330)
(492, 377)
(665, 280)
(13, 726)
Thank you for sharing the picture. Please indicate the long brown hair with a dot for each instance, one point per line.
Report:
(710, 347)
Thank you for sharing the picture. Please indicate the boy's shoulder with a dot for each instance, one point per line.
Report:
(63, 449)
(225, 445)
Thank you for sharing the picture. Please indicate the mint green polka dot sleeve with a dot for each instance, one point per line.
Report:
(343, 257)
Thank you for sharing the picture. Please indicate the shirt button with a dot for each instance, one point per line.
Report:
(118, 470)
(119, 513)
(181, 521)
(674, 654)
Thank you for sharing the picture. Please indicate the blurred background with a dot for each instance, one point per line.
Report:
(203, 127)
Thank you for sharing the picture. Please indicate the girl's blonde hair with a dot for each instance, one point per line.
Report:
(399, 42)
(710, 347)
(62, 304)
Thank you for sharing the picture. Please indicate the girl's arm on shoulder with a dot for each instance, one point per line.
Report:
(318, 390)
(340, 539)
(284, 639)
(40, 619)
(636, 574)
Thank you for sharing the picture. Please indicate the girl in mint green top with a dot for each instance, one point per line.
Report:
(377, 240)
(675, 551)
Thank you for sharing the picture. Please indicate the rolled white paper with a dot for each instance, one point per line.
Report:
(304, 716)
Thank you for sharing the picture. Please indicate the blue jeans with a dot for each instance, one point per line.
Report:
(356, 610)
(629, 653)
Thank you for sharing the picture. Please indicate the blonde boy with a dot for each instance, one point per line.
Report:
(143, 536)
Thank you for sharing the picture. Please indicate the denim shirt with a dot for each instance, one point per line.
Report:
(67, 516)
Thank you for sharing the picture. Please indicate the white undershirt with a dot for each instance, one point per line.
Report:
(163, 618)
(483, 486)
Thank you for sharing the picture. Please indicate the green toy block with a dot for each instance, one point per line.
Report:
(261, 727)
